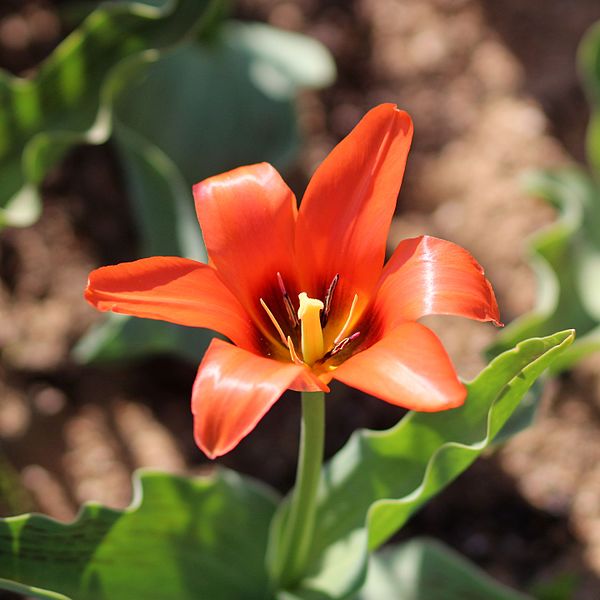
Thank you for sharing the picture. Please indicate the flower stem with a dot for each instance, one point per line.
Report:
(299, 527)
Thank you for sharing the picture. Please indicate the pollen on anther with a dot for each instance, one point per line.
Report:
(287, 301)
(329, 299)
(343, 343)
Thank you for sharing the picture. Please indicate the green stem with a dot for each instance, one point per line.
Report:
(299, 527)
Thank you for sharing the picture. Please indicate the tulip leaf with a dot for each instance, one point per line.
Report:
(179, 119)
(426, 569)
(181, 538)
(42, 117)
(589, 66)
(566, 261)
(120, 337)
(380, 478)
(566, 255)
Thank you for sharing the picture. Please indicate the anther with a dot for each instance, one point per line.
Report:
(289, 307)
(329, 299)
(274, 321)
(342, 333)
(343, 343)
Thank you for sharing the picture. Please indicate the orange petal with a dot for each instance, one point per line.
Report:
(248, 217)
(232, 392)
(426, 276)
(347, 208)
(171, 289)
(408, 367)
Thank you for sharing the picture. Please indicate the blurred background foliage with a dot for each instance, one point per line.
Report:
(566, 254)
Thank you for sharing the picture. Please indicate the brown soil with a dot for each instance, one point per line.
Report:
(492, 90)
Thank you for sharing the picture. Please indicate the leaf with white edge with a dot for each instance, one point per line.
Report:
(380, 478)
(424, 569)
(181, 538)
(179, 119)
(524, 415)
(42, 117)
(29, 591)
(566, 261)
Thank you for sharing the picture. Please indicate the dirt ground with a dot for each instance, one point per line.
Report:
(492, 88)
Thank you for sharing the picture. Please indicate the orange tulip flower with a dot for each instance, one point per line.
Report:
(304, 294)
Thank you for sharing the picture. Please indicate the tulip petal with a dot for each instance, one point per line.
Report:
(171, 289)
(248, 217)
(233, 390)
(429, 276)
(408, 367)
(347, 208)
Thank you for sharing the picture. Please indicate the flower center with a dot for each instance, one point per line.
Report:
(311, 318)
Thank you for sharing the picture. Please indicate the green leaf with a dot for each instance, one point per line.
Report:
(207, 130)
(379, 479)
(524, 415)
(120, 337)
(566, 255)
(562, 586)
(424, 569)
(566, 261)
(13, 494)
(41, 118)
(589, 67)
(181, 538)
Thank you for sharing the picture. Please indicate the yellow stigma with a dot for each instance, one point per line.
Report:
(311, 332)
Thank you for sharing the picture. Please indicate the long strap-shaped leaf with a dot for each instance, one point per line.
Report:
(181, 538)
(379, 479)
(423, 569)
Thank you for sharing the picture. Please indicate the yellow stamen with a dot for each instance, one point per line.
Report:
(274, 321)
(311, 332)
(292, 349)
(342, 334)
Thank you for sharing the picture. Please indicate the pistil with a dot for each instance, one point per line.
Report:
(310, 328)
(312, 316)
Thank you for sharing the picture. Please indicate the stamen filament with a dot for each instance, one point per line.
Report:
(340, 336)
(274, 321)
(292, 349)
